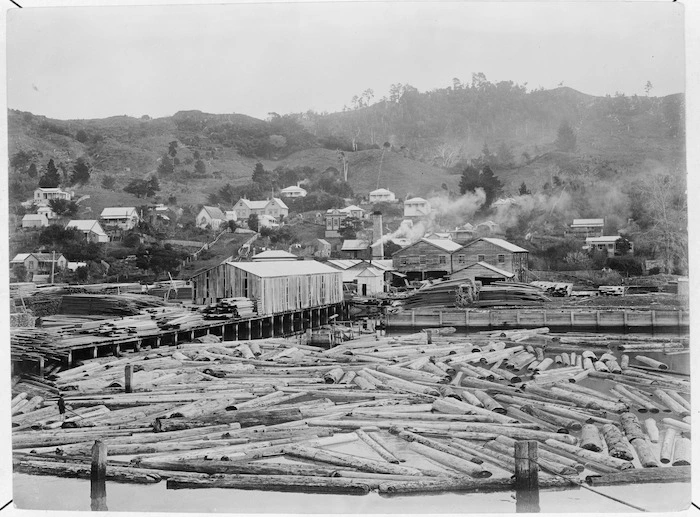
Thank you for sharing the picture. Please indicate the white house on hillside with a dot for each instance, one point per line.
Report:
(382, 195)
(293, 191)
(210, 216)
(274, 207)
(416, 207)
(353, 211)
(125, 217)
(90, 228)
(42, 195)
(46, 211)
(607, 243)
(35, 221)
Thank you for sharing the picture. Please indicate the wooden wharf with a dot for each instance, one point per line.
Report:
(627, 320)
(66, 346)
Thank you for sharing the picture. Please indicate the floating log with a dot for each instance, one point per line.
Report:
(557, 420)
(652, 430)
(454, 462)
(547, 455)
(677, 424)
(635, 476)
(644, 453)
(671, 403)
(376, 446)
(83, 471)
(631, 427)
(590, 438)
(303, 484)
(618, 447)
(346, 460)
(651, 362)
(667, 444)
(597, 457)
(681, 452)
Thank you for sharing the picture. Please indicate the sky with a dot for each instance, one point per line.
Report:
(94, 62)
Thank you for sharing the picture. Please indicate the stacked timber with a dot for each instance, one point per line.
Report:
(231, 308)
(424, 412)
(108, 304)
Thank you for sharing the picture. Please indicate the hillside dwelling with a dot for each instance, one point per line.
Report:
(607, 243)
(230, 215)
(426, 258)
(416, 207)
(210, 217)
(124, 217)
(335, 221)
(45, 210)
(382, 195)
(40, 263)
(483, 272)
(35, 221)
(497, 252)
(488, 228)
(277, 287)
(267, 221)
(356, 249)
(438, 235)
(353, 211)
(274, 207)
(90, 228)
(277, 255)
(584, 228)
(322, 248)
(42, 195)
(295, 191)
(463, 235)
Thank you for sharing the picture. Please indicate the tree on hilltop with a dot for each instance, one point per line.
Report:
(51, 178)
(566, 138)
(473, 178)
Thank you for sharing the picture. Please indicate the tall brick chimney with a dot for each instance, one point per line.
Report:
(378, 250)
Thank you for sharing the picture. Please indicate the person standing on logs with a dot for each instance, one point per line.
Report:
(62, 407)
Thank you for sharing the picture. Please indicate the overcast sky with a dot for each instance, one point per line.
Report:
(92, 62)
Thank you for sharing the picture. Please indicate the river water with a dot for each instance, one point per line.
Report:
(65, 494)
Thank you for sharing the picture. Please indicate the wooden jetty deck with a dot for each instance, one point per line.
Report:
(66, 349)
(628, 320)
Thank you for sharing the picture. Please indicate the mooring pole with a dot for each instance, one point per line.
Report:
(430, 336)
(98, 472)
(527, 491)
(128, 377)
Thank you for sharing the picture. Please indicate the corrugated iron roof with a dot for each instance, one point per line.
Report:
(118, 211)
(493, 268)
(445, 244)
(271, 268)
(502, 244)
(343, 263)
(354, 245)
(274, 255)
(588, 222)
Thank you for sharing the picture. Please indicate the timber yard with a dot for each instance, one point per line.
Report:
(261, 386)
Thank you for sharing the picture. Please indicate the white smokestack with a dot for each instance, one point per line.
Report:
(378, 247)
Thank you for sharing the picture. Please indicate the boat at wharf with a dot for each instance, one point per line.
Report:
(425, 412)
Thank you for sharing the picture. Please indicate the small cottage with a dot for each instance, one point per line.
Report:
(35, 221)
(295, 191)
(210, 217)
(416, 207)
(90, 228)
(584, 228)
(356, 249)
(353, 211)
(43, 195)
(382, 195)
(123, 217)
(607, 243)
(274, 207)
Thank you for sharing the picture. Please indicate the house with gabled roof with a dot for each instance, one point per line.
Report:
(210, 217)
(426, 258)
(273, 207)
(293, 191)
(39, 262)
(416, 207)
(583, 228)
(382, 195)
(496, 252)
(90, 228)
(43, 195)
(483, 272)
(35, 221)
(123, 217)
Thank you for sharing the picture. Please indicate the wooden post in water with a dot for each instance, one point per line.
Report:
(128, 377)
(527, 491)
(430, 336)
(98, 473)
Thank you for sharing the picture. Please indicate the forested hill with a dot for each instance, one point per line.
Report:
(427, 132)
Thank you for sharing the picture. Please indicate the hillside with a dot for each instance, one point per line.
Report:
(412, 142)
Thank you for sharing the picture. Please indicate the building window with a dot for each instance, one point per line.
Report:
(501, 259)
(443, 259)
(461, 259)
(403, 261)
(422, 259)
(480, 258)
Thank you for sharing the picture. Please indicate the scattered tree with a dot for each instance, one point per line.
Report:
(51, 178)
(472, 178)
(108, 182)
(81, 172)
(143, 188)
(172, 148)
(253, 222)
(20, 160)
(523, 191)
(81, 136)
(200, 169)
(566, 138)
(31, 171)
(64, 207)
(166, 167)
(232, 226)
